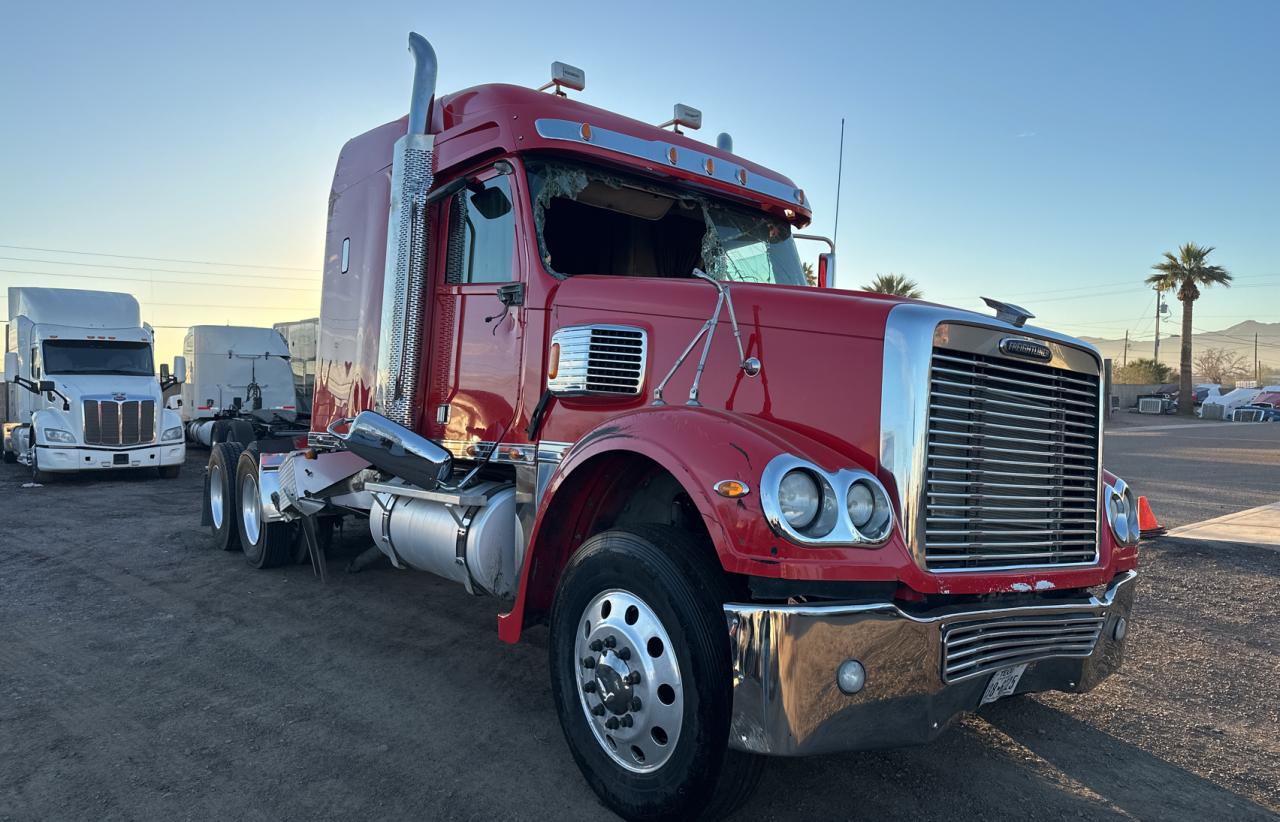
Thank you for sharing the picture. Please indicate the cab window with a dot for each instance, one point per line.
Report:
(482, 234)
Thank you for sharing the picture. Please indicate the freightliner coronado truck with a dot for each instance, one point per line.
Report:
(570, 360)
(239, 386)
(83, 392)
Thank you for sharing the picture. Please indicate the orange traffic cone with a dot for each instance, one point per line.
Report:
(1147, 524)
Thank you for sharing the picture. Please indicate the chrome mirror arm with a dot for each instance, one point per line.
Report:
(749, 365)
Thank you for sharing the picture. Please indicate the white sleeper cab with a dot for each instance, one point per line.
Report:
(82, 389)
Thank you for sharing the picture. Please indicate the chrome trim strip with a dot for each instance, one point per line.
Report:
(513, 453)
(904, 409)
(659, 153)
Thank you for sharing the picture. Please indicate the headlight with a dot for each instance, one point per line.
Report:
(58, 435)
(869, 509)
(171, 434)
(809, 505)
(799, 498)
(1122, 513)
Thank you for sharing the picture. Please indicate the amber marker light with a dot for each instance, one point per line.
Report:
(673, 155)
(742, 176)
(553, 361)
(585, 131)
(733, 489)
(710, 166)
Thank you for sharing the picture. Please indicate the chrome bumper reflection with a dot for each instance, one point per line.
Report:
(786, 701)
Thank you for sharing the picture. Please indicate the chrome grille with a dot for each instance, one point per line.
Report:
(599, 359)
(982, 646)
(110, 422)
(1012, 464)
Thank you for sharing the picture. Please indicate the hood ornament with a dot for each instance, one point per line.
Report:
(749, 365)
(1008, 312)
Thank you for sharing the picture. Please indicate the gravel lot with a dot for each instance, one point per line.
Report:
(145, 676)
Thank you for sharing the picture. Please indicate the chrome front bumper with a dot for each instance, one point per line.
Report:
(786, 701)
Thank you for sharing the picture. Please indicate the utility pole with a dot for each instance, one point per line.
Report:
(1125, 360)
(1159, 300)
(1257, 369)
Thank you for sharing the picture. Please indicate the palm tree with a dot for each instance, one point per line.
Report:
(1187, 272)
(897, 284)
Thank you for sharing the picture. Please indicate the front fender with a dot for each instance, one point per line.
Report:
(699, 447)
(51, 418)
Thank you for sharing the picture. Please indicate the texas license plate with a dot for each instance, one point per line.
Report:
(1003, 683)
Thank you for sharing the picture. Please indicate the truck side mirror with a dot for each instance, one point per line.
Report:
(11, 366)
(45, 386)
(827, 270)
(180, 369)
(164, 372)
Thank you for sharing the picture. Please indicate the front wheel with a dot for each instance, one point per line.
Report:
(641, 677)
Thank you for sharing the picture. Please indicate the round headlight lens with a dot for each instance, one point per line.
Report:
(799, 498)
(861, 503)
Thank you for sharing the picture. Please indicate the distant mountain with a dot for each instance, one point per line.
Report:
(1238, 339)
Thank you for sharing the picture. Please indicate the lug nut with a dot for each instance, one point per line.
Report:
(635, 702)
(589, 662)
(627, 721)
(596, 645)
(589, 687)
(610, 641)
(611, 723)
(598, 710)
(624, 654)
(633, 677)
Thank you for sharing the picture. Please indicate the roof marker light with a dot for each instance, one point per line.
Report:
(585, 131)
(672, 154)
(742, 176)
(709, 166)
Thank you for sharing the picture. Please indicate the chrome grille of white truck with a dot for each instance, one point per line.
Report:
(978, 647)
(114, 422)
(1012, 464)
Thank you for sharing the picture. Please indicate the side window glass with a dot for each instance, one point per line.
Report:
(35, 362)
(482, 229)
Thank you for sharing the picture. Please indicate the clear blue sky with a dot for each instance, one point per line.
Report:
(1044, 153)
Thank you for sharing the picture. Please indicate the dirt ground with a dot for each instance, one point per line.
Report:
(145, 676)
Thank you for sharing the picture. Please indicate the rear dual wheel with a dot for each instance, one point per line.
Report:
(235, 508)
(641, 676)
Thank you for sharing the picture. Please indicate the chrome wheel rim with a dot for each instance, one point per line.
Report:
(250, 508)
(215, 495)
(629, 682)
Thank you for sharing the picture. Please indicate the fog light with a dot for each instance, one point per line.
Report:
(851, 676)
(1121, 629)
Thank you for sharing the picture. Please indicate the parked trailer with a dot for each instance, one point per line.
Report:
(240, 387)
(576, 367)
(82, 389)
(300, 336)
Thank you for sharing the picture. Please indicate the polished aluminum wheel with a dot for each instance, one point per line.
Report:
(629, 680)
(250, 508)
(215, 494)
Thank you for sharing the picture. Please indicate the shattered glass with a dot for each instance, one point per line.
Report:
(738, 245)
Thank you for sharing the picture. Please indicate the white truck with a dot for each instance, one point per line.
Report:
(82, 388)
(240, 387)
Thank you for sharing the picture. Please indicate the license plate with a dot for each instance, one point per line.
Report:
(1003, 683)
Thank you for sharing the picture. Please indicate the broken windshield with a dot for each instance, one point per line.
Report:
(591, 221)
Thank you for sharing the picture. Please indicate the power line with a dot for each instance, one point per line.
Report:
(164, 270)
(154, 259)
(152, 280)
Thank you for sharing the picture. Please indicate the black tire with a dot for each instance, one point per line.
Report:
(219, 432)
(265, 544)
(169, 471)
(241, 431)
(38, 476)
(10, 457)
(220, 495)
(684, 589)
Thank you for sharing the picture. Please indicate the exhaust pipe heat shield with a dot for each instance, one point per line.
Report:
(392, 448)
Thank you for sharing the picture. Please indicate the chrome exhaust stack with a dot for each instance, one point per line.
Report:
(404, 276)
(392, 448)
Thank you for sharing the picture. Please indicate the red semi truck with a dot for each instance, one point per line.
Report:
(571, 361)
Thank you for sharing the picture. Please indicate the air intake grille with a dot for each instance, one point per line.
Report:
(1012, 464)
(599, 359)
(111, 422)
(974, 648)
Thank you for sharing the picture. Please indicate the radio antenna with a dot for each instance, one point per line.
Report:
(835, 229)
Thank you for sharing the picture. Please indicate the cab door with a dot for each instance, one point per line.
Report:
(478, 326)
